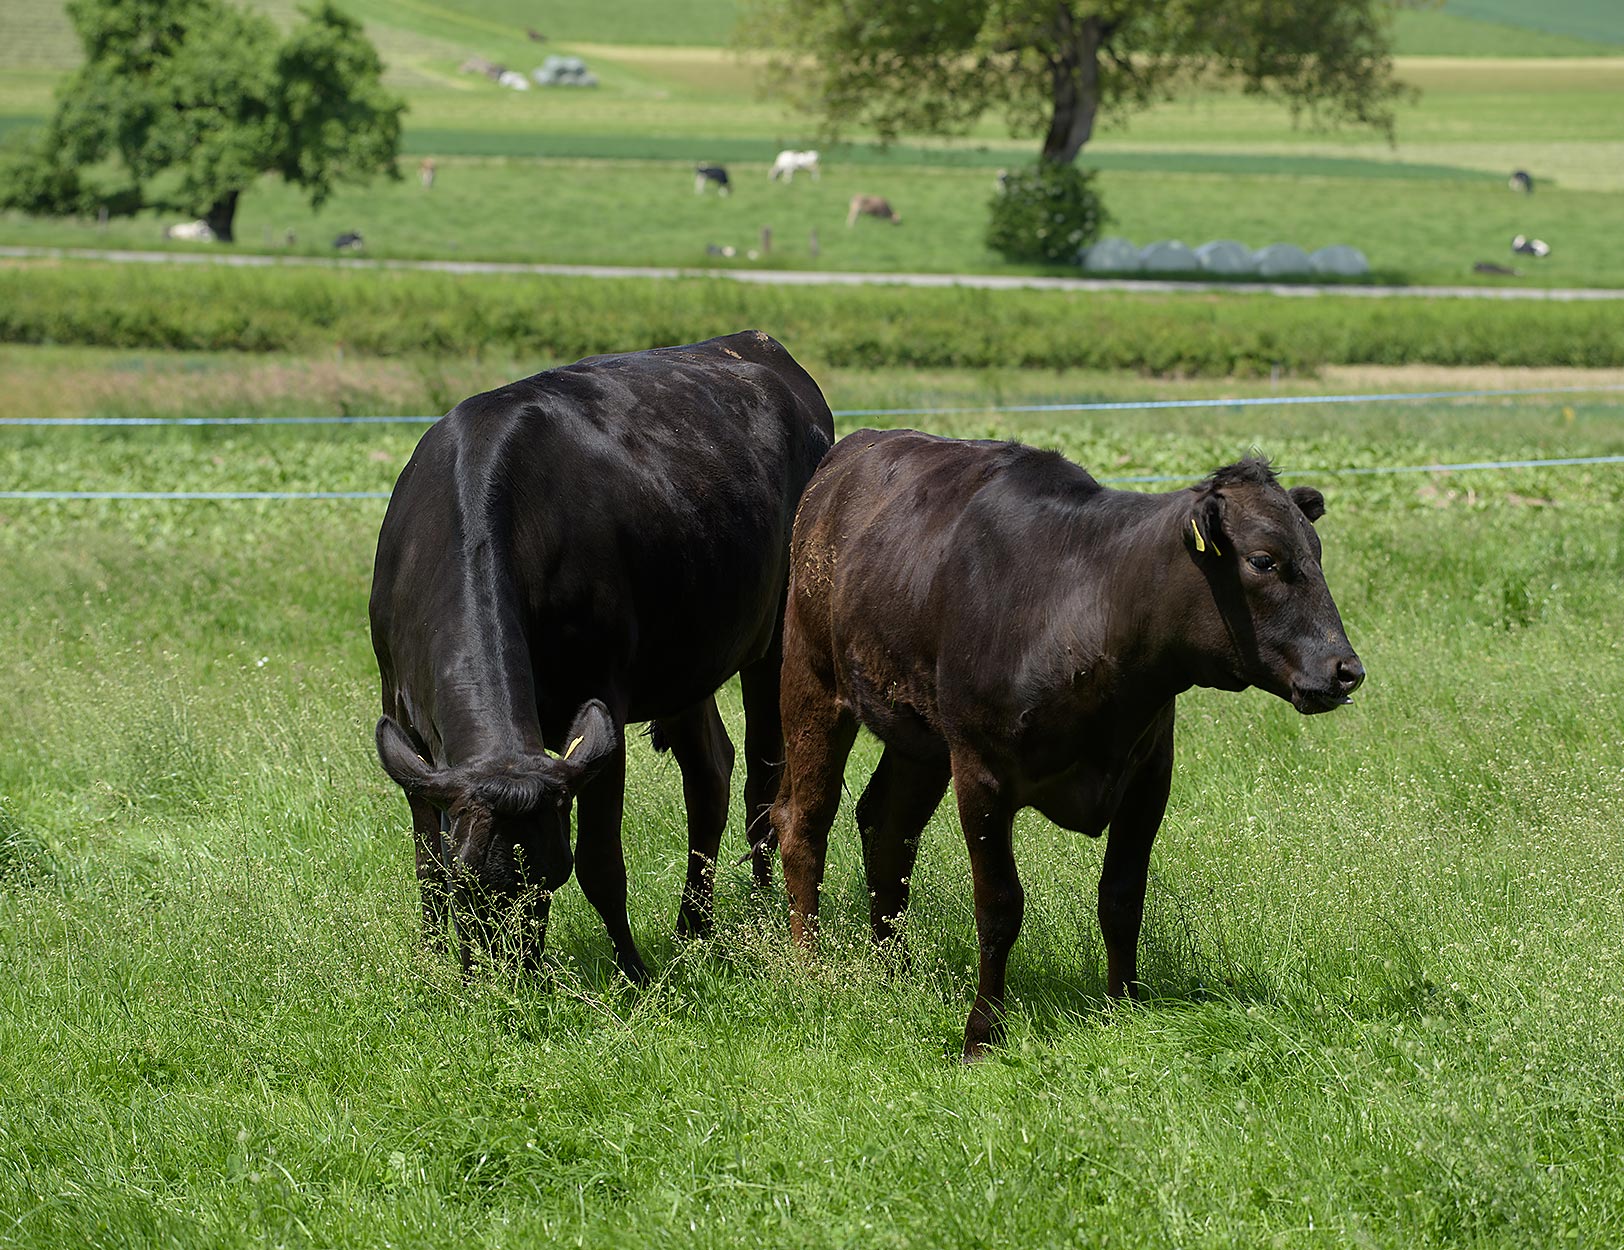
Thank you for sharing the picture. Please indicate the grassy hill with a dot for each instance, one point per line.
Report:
(432, 36)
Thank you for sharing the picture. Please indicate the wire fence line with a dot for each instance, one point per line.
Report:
(1103, 406)
(1135, 479)
(1126, 405)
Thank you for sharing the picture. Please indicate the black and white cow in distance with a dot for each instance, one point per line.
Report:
(602, 543)
(1001, 621)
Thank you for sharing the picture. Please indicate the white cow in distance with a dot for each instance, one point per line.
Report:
(190, 232)
(787, 162)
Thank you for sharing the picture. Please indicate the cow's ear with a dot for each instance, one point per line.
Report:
(592, 740)
(1309, 500)
(409, 770)
(1204, 530)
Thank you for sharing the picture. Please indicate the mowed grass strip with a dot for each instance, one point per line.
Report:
(1384, 944)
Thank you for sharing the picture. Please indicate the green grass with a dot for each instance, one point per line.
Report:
(604, 175)
(1385, 944)
(1450, 31)
(1596, 20)
(412, 314)
(414, 33)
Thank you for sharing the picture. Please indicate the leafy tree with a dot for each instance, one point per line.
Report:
(935, 66)
(183, 104)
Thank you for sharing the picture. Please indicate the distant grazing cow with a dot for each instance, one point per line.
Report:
(998, 618)
(349, 241)
(1525, 246)
(704, 175)
(872, 206)
(788, 162)
(1521, 180)
(190, 232)
(602, 543)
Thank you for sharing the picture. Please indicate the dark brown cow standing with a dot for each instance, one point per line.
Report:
(999, 619)
(603, 543)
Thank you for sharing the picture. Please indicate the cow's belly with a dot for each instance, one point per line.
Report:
(1084, 800)
(897, 707)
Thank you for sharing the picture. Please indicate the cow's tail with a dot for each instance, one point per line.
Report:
(765, 843)
(656, 737)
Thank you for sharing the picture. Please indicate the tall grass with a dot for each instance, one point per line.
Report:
(1384, 944)
(399, 314)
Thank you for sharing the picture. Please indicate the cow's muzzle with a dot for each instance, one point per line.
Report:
(1345, 676)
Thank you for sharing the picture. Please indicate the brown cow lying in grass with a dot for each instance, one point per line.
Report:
(1001, 620)
(872, 206)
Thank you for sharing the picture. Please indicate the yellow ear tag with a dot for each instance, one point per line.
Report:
(573, 745)
(1199, 544)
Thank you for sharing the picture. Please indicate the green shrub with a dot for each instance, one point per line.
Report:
(1045, 212)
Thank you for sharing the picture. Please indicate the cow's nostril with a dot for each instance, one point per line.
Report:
(1349, 673)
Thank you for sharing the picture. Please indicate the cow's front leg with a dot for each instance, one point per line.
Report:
(1127, 865)
(988, 819)
(600, 864)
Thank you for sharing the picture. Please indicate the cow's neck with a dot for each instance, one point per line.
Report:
(485, 682)
(1160, 634)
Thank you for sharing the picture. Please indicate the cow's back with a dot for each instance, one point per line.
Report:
(624, 519)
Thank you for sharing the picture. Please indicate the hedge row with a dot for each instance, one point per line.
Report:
(408, 313)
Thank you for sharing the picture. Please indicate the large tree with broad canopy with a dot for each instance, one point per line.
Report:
(183, 104)
(1052, 66)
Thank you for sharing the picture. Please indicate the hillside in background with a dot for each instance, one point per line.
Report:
(417, 36)
(422, 40)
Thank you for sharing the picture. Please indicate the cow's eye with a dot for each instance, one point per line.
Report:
(1263, 564)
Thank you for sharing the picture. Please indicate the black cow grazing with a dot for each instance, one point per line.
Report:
(602, 543)
(349, 241)
(706, 175)
(1000, 619)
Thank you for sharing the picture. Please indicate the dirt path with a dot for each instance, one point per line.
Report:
(794, 277)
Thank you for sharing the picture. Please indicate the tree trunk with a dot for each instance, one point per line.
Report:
(220, 216)
(1074, 69)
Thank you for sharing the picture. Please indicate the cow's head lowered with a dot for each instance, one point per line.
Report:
(509, 818)
(1255, 543)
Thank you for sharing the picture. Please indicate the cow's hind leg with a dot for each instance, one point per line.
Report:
(704, 752)
(819, 731)
(763, 754)
(899, 799)
(600, 864)
(428, 840)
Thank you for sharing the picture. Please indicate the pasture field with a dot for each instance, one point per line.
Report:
(1416, 227)
(1384, 945)
(604, 176)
